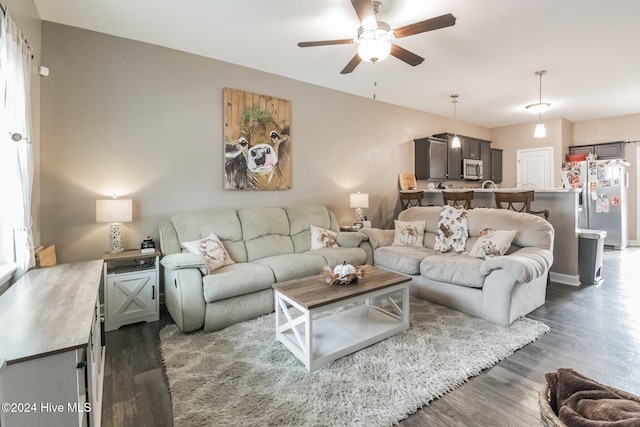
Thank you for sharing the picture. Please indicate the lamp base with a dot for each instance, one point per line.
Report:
(359, 215)
(115, 238)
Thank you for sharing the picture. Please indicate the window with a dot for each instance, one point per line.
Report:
(16, 155)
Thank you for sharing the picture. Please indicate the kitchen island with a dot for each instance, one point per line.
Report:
(562, 205)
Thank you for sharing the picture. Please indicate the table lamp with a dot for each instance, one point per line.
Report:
(115, 212)
(358, 201)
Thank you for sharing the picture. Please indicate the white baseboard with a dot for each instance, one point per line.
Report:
(565, 279)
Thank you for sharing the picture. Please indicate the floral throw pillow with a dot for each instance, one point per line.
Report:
(453, 230)
(322, 238)
(409, 233)
(492, 243)
(212, 249)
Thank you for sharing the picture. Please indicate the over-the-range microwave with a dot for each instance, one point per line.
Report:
(472, 169)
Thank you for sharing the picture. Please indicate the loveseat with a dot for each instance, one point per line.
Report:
(490, 286)
(262, 246)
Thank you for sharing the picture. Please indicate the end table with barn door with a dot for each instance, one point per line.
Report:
(131, 288)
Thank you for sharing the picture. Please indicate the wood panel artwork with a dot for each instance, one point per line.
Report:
(257, 141)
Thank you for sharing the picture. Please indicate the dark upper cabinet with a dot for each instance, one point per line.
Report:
(487, 160)
(470, 148)
(431, 158)
(496, 165)
(609, 150)
(584, 149)
(454, 163)
(436, 158)
(421, 158)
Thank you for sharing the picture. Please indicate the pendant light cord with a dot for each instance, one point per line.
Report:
(540, 73)
(454, 101)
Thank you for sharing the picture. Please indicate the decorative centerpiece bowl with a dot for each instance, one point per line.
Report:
(343, 274)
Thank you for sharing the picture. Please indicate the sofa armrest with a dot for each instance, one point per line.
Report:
(169, 242)
(351, 239)
(378, 237)
(185, 260)
(525, 264)
(184, 298)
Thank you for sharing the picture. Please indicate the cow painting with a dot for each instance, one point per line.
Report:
(257, 152)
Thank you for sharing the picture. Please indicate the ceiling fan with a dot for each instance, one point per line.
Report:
(376, 38)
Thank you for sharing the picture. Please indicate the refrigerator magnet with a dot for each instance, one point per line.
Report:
(602, 206)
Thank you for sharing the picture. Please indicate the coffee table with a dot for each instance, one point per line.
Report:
(319, 340)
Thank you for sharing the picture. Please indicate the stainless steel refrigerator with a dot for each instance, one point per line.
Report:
(603, 201)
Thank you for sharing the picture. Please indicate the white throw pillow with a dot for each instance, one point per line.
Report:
(409, 233)
(212, 249)
(492, 243)
(453, 230)
(323, 238)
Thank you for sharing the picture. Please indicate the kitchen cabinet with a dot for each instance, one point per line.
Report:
(51, 347)
(585, 149)
(470, 148)
(454, 160)
(605, 151)
(487, 160)
(431, 157)
(496, 165)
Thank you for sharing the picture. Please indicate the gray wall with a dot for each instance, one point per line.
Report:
(138, 120)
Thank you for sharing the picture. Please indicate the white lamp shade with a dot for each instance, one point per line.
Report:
(374, 50)
(114, 210)
(455, 142)
(359, 200)
(540, 131)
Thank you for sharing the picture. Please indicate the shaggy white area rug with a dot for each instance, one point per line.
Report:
(242, 376)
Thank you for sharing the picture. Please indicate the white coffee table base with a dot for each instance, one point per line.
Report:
(318, 342)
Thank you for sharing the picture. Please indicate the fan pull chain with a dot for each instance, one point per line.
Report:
(375, 82)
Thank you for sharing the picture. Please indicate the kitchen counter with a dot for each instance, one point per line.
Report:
(491, 190)
(562, 204)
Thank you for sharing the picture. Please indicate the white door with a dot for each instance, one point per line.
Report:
(535, 167)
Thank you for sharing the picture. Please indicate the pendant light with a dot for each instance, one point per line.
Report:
(455, 142)
(539, 107)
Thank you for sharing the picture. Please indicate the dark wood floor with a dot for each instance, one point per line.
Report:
(594, 330)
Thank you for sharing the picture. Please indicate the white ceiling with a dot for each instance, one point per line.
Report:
(589, 49)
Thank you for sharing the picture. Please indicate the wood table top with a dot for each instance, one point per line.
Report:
(312, 292)
(49, 310)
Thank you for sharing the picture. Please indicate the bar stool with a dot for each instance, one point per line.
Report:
(411, 198)
(519, 201)
(458, 196)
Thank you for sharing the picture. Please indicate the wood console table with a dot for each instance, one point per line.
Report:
(51, 350)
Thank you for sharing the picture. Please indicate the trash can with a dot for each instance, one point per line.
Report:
(590, 249)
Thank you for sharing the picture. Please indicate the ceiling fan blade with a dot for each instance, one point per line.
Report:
(366, 13)
(424, 26)
(404, 55)
(351, 65)
(325, 42)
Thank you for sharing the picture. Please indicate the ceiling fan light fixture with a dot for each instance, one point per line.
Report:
(374, 45)
(374, 50)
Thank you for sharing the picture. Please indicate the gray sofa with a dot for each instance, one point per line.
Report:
(499, 289)
(268, 245)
